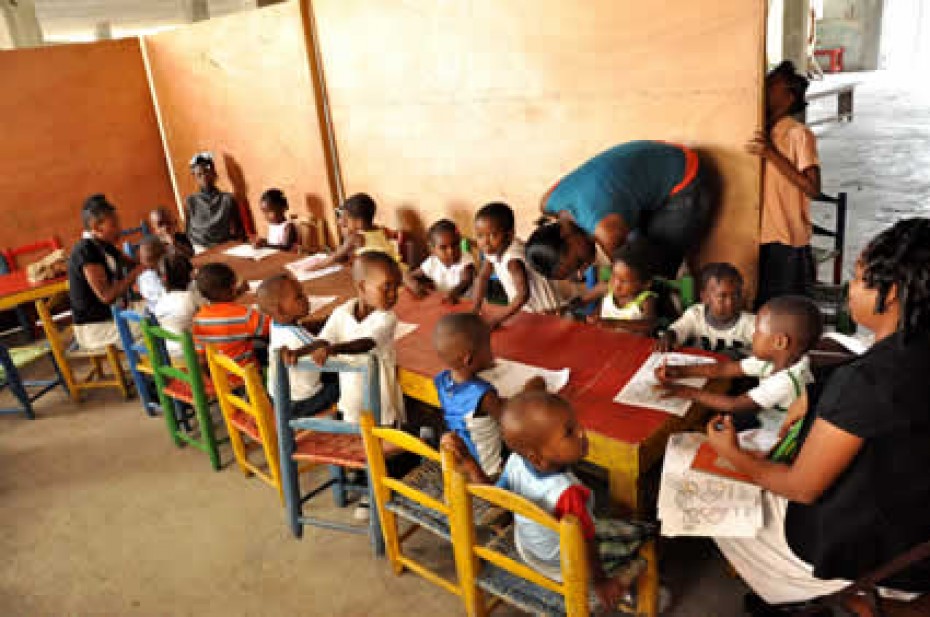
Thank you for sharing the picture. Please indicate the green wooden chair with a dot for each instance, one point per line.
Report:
(182, 386)
(15, 358)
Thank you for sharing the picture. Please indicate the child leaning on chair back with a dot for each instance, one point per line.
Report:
(282, 298)
(718, 322)
(364, 324)
(546, 440)
(787, 328)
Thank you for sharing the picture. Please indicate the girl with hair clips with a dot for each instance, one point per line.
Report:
(858, 493)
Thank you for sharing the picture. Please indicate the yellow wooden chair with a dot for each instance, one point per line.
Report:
(251, 416)
(418, 498)
(66, 353)
(496, 568)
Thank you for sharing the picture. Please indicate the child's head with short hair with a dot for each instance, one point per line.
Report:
(721, 293)
(632, 269)
(377, 280)
(99, 217)
(542, 428)
(203, 169)
(463, 342)
(359, 213)
(445, 242)
(494, 228)
(274, 205)
(176, 271)
(787, 327)
(282, 298)
(163, 222)
(217, 283)
(785, 90)
(151, 251)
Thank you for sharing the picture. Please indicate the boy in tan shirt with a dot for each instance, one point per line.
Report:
(791, 177)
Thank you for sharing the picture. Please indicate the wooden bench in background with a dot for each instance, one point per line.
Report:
(844, 103)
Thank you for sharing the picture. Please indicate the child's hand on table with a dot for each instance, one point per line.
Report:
(670, 389)
(258, 242)
(665, 343)
(721, 435)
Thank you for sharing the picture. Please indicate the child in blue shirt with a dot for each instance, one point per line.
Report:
(546, 439)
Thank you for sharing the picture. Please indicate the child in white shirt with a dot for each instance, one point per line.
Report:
(175, 308)
(717, 323)
(282, 234)
(282, 298)
(363, 325)
(505, 256)
(448, 270)
(787, 328)
(151, 288)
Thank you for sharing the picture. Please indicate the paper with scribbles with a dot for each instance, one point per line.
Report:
(247, 251)
(509, 377)
(692, 503)
(302, 268)
(640, 391)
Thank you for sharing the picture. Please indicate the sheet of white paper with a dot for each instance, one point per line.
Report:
(640, 390)
(301, 268)
(253, 285)
(318, 302)
(247, 251)
(692, 503)
(509, 377)
(403, 329)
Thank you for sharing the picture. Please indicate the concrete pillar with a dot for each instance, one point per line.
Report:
(19, 26)
(103, 31)
(195, 10)
(261, 3)
(794, 32)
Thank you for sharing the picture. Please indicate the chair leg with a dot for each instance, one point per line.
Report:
(117, 367)
(338, 474)
(206, 433)
(647, 586)
(290, 482)
(19, 391)
(374, 522)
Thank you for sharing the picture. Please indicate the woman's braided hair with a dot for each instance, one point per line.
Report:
(900, 256)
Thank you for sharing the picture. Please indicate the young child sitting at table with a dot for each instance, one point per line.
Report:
(230, 326)
(787, 328)
(448, 270)
(98, 275)
(282, 234)
(718, 322)
(630, 303)
(504, 255)
(151, 252)
(364, 324)
(546, 439)
(212, 215)
(282, 298)
(175, 309)
(165, 226)
(471, 406)
(361, 234)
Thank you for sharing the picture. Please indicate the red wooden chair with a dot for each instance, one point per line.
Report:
(11, 263)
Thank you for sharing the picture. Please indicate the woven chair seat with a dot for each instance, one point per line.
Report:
(245, 423)
(24, 356)
(344, 450)
(181, 390)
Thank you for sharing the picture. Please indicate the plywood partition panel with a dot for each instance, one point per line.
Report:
(75, 120)
(439, 107)
(239, 86)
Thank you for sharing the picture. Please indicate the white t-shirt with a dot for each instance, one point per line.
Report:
(175, 313)
(446, 278)
(277, 233)
(342, 327)
(543, 296)
(692, 328)
(774, 394)
(150, 288)
(304, 384)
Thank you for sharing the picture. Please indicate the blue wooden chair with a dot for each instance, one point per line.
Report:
(140, 368)
(11, 360)
(131, 247)
(325, 441)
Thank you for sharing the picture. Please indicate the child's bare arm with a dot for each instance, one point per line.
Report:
(717, 402)
(594, 294)
(468, 277)
(716, 370)
(491, 405)
(340, 255)
(463, 459)
(414, 281)
(807, 180)
(517, 271)
(324, 349)
(481, 285)
(290, 356)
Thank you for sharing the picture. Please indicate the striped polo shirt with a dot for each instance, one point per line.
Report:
(231, 328)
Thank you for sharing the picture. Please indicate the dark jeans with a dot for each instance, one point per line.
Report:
(679, 225)
(319, 402)
(784, 270)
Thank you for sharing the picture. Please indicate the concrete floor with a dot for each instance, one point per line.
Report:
(102, 515)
